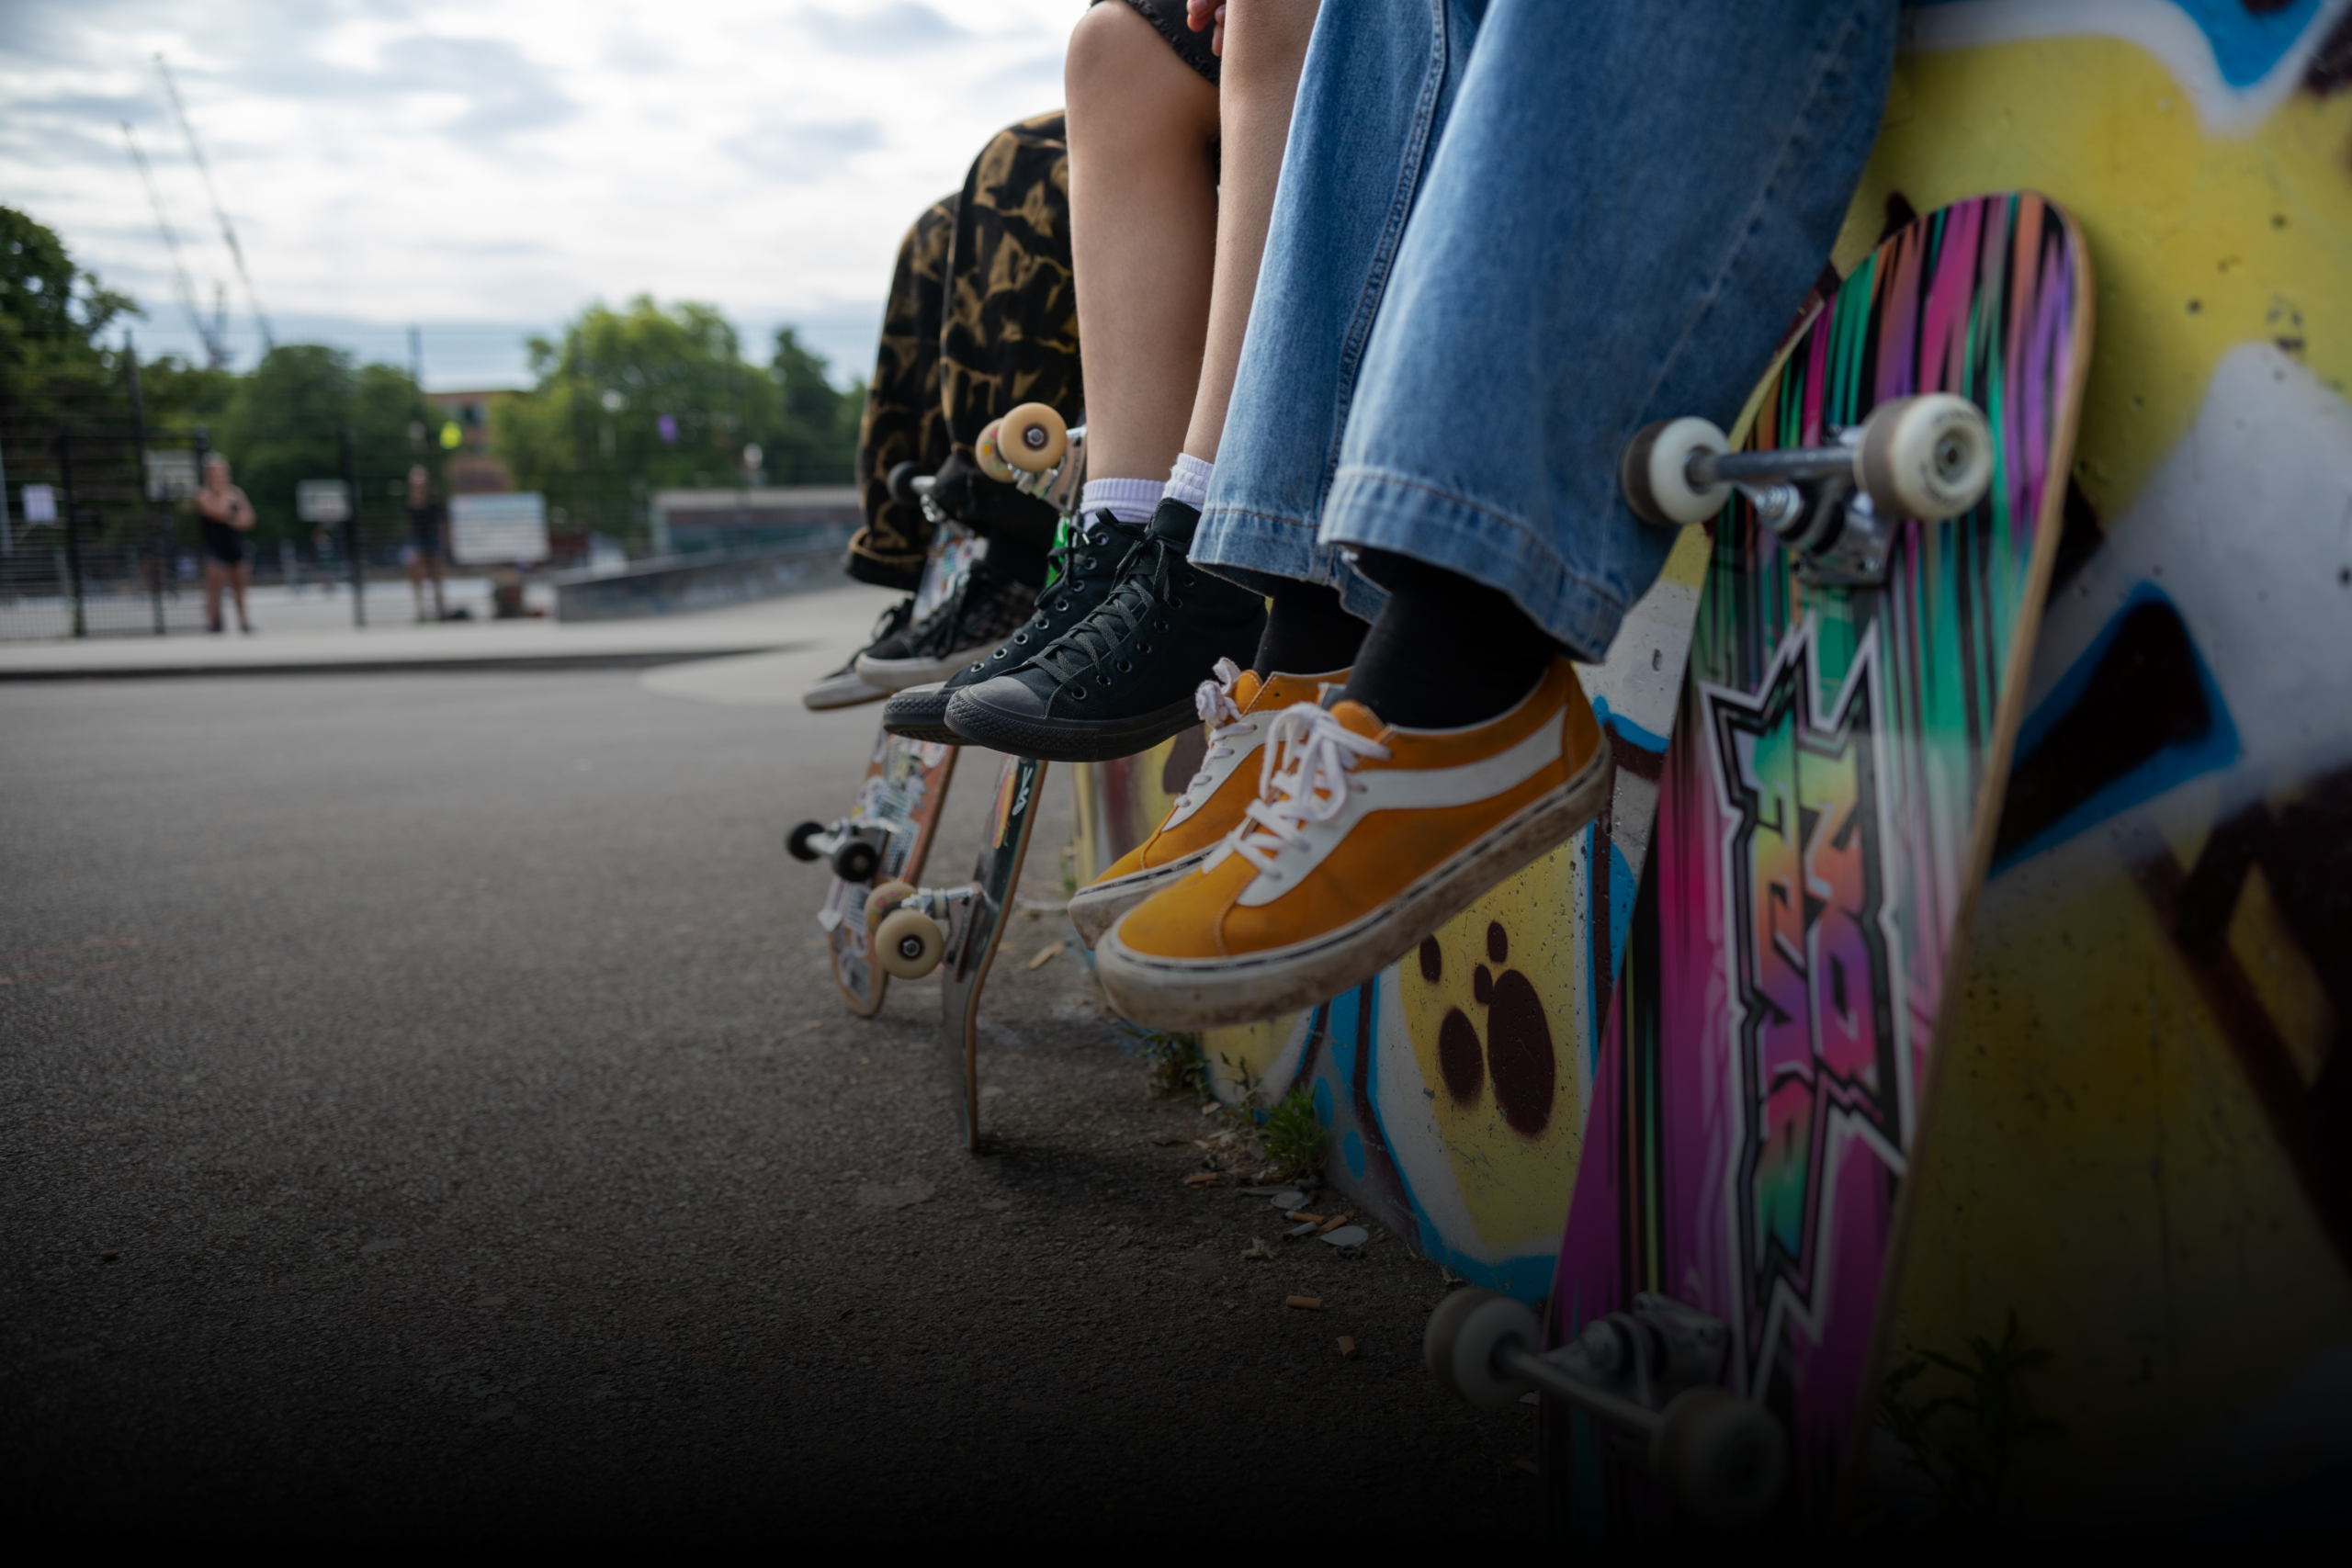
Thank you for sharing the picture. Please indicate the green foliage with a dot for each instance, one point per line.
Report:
(1173, 1063)
(1968, 1471)
(1294, 1134)
(282, 426)
(590, 433)
(52, 313)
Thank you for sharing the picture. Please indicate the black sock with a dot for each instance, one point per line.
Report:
(1020, 558)
(1308, 633)
(1447, 652)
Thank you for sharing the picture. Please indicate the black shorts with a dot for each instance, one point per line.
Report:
(1167, 17)
(223, 544)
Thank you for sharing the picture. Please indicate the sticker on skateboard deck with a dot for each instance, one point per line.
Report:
(957, 929)
(886, 835)
(1825, 815)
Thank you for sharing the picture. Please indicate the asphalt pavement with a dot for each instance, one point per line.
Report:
(426, 1114)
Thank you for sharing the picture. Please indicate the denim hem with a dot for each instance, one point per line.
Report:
(1260, 551)
(1408, 517)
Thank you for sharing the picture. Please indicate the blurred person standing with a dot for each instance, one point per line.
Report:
(227, 517)
(426, 546)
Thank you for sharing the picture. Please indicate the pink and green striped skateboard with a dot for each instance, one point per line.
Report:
(1856, 678)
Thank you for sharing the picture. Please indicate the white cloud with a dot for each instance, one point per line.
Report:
(505, 162)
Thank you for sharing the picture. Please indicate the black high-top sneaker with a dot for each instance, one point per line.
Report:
(986, 608)
(1085, 564)
(1121, 681)
(845, 687)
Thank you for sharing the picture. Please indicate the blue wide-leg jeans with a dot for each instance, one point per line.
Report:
(1509, 234)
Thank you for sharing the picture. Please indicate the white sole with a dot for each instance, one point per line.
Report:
(840, 692)
(1168, 993)
(896, 675)
(1096, 908)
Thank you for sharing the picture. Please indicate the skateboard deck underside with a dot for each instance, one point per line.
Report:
(1823, 815)
(905, 783)
(996, 874)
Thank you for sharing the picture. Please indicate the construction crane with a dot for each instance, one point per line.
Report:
(228, 230)
(213, 334)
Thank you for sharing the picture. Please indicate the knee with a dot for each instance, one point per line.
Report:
(1105, 49)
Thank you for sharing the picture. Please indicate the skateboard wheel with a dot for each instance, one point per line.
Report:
(1929, 457)
(1720, 1457)
(908, 944)
(885, 899)
(1032, 438)
(856, 861)
(796, 844)
(990, 455)
(902, 484)
(1464, 1335)
(1655, 474)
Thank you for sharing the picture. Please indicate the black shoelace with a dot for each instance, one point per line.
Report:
(1152, 580)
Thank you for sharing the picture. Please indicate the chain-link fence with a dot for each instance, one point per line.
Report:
(100, 535)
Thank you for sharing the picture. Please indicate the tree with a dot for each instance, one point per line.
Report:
(52, 313)
(284, 424)
(648, 398)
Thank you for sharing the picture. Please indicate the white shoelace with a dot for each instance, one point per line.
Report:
(1214, 700)
(1303, 779)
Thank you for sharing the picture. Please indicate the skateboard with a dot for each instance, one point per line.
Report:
(1855, 682)
(957, 929)
(886, 838)
(886, 835)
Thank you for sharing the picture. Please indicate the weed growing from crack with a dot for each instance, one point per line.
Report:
(1294, 1134)
(1969, 1474)
(1173, 1064)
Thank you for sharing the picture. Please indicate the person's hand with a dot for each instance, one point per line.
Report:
(1200, 15)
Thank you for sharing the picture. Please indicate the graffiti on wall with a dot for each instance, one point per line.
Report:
(2143, 1141)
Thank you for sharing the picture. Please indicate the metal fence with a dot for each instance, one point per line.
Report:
(100, 535)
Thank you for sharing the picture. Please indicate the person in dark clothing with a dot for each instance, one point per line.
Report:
(226, 518)
(427, 542)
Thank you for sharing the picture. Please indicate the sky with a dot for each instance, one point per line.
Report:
(483, 171)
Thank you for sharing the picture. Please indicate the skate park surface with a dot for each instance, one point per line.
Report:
(429, 1112)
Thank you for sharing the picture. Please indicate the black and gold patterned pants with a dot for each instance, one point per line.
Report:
(982, 316)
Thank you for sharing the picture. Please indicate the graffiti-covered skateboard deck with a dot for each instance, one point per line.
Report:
(1825, 818)
(886, 835)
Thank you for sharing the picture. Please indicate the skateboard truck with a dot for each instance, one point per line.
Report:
(1032, 450)
(854, 847)
(916, 930)
(1650, 1373)
(1835, 507)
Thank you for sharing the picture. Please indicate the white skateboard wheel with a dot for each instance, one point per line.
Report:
(908, 944)
(987, 453)
(1655, 473)
(885, 899)
(1468, 1328)
(1929, 457)
(1720, 1457)
(1032, 438)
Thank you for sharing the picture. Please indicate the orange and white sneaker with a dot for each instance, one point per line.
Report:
(1362, 841)
(1238, 708)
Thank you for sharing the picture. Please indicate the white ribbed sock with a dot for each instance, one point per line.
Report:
(1188, 482)
(1129, 500)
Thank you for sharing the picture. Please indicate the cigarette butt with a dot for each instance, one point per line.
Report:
(1047, 953)
(1304, 1218)
(1205, 1178)
(1306, 1304)
(1347, 1348)
(1336, 1221)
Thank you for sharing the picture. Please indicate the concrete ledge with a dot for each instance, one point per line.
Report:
(671, 585)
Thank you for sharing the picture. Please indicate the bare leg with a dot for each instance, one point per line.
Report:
(1265, 44)
(417, 581)
(1143, 225)
(440, 600)
(239, 575)
(214, 574)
